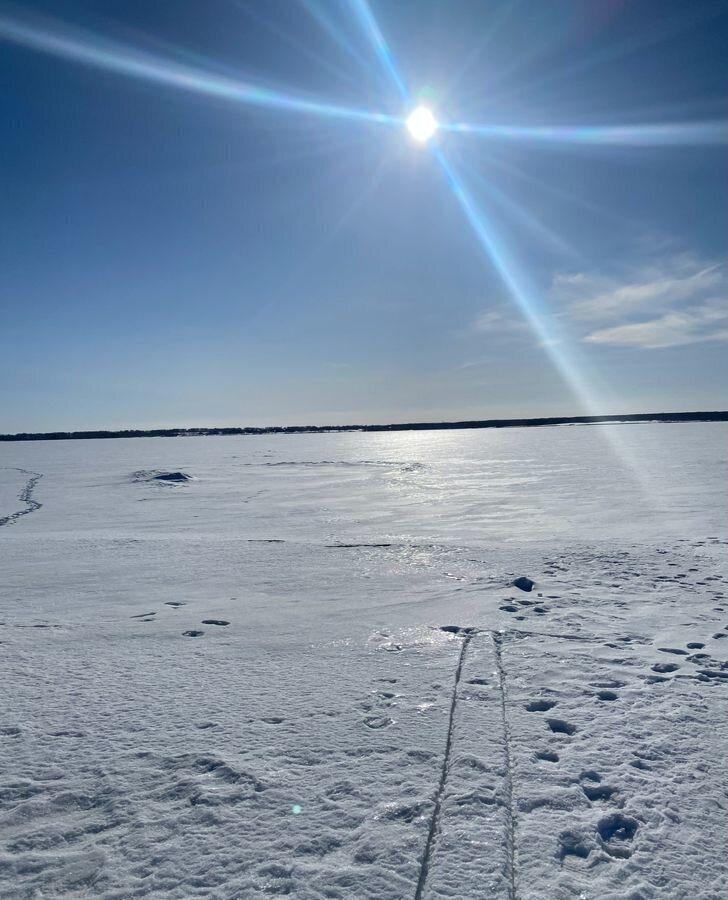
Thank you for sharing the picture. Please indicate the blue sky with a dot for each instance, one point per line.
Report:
(178, 248)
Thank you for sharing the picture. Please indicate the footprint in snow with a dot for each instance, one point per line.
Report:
(593, 790)
(215, 622)
(559, 726)
(615, 833)
(9, 730)
(547, 756)
(457, 629)
(193, 632)
(665, 667)
(378, 722)
(677, 651)
(607, 695)
(540, 705)
(143, 615)
(175, 604)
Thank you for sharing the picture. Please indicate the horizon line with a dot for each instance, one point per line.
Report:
(464, 424)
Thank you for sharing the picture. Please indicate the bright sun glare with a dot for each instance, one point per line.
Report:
(421, 124)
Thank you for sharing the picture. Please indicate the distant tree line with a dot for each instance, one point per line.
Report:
(719, 416)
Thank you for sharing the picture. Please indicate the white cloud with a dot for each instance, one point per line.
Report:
(676, 300)
(693, 325)
(498, 320)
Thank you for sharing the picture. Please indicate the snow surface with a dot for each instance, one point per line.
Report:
(330, 740)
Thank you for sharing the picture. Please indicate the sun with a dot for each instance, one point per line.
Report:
(421, 124)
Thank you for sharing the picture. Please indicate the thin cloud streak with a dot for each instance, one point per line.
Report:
(695, 325)
(675, 301)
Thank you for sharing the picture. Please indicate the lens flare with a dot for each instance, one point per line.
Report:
(362, 11)
(422, 124)
(93, 50)
(677, 134)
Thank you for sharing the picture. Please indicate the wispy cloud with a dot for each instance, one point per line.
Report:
(691, 326)
(676, 300)
(498, 320)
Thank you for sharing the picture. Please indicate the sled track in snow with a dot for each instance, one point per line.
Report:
(25, 496)
(435, 820)
(510, 804)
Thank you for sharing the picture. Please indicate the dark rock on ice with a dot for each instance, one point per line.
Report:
(172, 476)
(525, 584)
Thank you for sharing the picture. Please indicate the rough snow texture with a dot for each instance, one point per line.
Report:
(237, 685)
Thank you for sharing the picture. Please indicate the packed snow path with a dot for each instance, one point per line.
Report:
(262, 680)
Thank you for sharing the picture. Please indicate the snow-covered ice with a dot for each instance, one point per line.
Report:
(238, 685)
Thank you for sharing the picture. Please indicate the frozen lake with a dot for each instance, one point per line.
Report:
(322, 736)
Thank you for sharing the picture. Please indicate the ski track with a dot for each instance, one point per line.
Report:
(434, 821)
(25, 496)
(510, 838)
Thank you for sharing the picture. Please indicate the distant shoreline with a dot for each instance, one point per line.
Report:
(715, 416)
